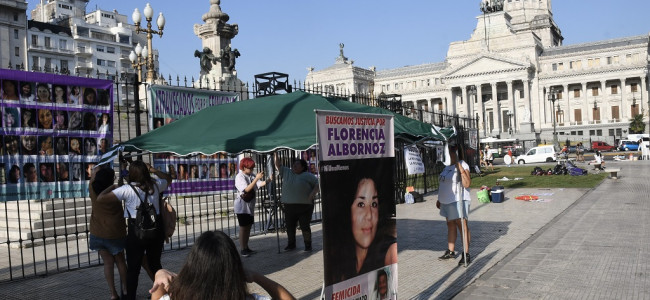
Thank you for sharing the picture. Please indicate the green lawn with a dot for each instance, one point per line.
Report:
(489, 178)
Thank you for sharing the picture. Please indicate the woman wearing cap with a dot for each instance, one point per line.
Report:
(454, 207)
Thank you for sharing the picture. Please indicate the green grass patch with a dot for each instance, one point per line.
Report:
(489, 178)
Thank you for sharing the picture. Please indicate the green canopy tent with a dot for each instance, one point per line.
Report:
(261, 125)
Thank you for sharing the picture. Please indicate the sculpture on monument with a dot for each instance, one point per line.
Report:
(228, 57)
(206, 59)
(490, 6)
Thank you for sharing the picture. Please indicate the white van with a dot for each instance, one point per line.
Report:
(536, 155)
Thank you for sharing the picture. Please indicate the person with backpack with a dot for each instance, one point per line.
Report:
(141, 208)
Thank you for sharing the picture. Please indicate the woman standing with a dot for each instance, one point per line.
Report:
(107, 229)
(246, 182)
(454, 203)
(141, 186)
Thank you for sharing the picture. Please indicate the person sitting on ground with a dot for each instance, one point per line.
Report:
(214, 270)
(598, 161)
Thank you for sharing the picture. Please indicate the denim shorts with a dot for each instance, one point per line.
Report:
(451, 211)
(113, 246)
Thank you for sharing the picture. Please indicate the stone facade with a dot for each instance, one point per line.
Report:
(13, 21)
(505, 72)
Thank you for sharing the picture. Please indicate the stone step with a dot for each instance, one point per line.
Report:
(15, 234)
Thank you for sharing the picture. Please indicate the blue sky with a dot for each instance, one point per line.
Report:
(290, 35)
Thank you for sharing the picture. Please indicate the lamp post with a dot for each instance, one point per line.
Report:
(138, 59)
(472, 95)
(552, 97)
(510, 114)
(148, 14)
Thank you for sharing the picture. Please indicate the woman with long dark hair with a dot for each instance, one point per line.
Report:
(107, 228)
(141, 185)
(213, 270)
(363, 238)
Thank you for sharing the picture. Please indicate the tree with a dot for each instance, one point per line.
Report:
(637, 125)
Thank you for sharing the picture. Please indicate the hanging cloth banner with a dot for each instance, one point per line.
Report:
(413, 160)
(358, 199)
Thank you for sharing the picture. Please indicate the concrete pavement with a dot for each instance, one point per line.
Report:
(573, 243)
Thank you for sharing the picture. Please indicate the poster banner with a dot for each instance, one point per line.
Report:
(54, 129)
(358, 201)
(413, 160)
(344, 135)
(198, 175)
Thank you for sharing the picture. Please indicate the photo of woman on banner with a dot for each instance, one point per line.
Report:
(60, 94)
(60, 120)
(359, 219)
(28, 118)
(182, 172)
(14, 174)
(102, 97)
(28, 143)
(90, 121)
(90, 97)
(9, 90)
(194, 171)
(61, 146)
(75, 169)
(104, 123)
(27, 91)
(74, 120)
(10, 117)
(75, 146)
(12, 145)
(47, 172)
(383, 288)
(90, 146)
(45, 143)
(62, 173)
(29, 171)
(223, 170)
(75, 95)
(43, 94)
(45, 119)
(103, 145)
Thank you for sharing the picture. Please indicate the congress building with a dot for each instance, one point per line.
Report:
(514, 75)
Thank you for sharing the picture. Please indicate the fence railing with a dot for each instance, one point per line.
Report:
(47, 236)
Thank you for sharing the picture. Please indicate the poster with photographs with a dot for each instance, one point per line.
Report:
(54, 129)
(198, 175)
(358, 197)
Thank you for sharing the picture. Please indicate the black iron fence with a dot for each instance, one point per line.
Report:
(47, 236)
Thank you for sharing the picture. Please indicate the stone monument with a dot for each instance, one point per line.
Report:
(217, 59)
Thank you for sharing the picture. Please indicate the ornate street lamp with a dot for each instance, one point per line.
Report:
(148, 14)
(552, 97)
(138, 59)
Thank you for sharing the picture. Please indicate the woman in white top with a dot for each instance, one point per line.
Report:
(246, 181)
(454, 203)
(141, 185)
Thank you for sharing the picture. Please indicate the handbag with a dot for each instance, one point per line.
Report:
(168, 216)
(247, 196)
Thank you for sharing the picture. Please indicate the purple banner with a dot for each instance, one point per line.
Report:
(53, 130)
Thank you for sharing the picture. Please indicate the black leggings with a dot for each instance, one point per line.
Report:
(135, 251)
(298, 213)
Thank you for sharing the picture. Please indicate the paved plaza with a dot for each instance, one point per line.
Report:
(571, 244)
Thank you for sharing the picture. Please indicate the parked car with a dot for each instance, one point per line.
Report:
(537, 154)
(573, 148)
(601, 146)
(626, 145)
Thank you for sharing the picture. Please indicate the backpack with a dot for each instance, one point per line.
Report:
(168, 216)
(146, 220)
